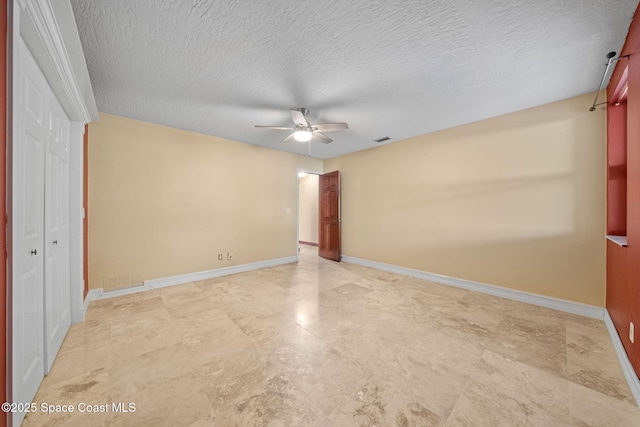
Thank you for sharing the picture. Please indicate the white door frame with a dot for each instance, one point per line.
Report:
(49, 31)
(76, 218)
(298, 207)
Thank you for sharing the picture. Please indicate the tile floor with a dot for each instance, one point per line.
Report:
(320, 343)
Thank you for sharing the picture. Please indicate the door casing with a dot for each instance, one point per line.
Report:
(38, 316)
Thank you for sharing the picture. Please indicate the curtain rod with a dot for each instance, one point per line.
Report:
(610, 59)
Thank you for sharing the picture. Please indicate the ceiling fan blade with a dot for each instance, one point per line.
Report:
(328, 127)
(299, 118)
(289, 138)
(273, 127)
(321, 138)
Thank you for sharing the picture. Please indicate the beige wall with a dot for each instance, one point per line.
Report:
(165, 202)
(308, 202)
(516, 201)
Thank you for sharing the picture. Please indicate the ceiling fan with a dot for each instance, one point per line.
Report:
(304, 131)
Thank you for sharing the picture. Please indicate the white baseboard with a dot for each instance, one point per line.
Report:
(542, 301)
(200, 275)
(218, 272)
(625, 363)
(125, 291)
(91, 295)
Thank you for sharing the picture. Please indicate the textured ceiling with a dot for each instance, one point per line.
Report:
(387, 68)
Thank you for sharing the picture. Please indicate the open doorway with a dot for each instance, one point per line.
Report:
(319, 225)
(308, 211)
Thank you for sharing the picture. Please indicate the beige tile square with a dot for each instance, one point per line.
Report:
(591, 408)
(200, 305)
(88, 388)
(540, 343)
(504, 392)
(180, 294)
(175, 402)
(137, 306)
(434, 370)
(140, 322)
(276, 401)
(129, 377)
(379, 403)
(592, 362)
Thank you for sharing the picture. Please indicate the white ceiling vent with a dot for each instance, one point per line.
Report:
(383, 139)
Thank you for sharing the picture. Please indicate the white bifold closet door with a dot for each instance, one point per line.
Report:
(57, 289)
(41, 280)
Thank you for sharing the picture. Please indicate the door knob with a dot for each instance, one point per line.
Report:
(55, 242)
(34, 252)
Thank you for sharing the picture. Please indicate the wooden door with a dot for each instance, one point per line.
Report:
(329, 239)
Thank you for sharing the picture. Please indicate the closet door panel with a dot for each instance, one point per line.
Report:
(57, 274)
(28, 231)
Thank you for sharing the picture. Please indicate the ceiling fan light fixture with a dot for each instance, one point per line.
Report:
(302, 135)
(303, 131)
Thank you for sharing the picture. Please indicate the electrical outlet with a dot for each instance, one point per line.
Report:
(229, 255)
(219, 257)
(631, 332)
